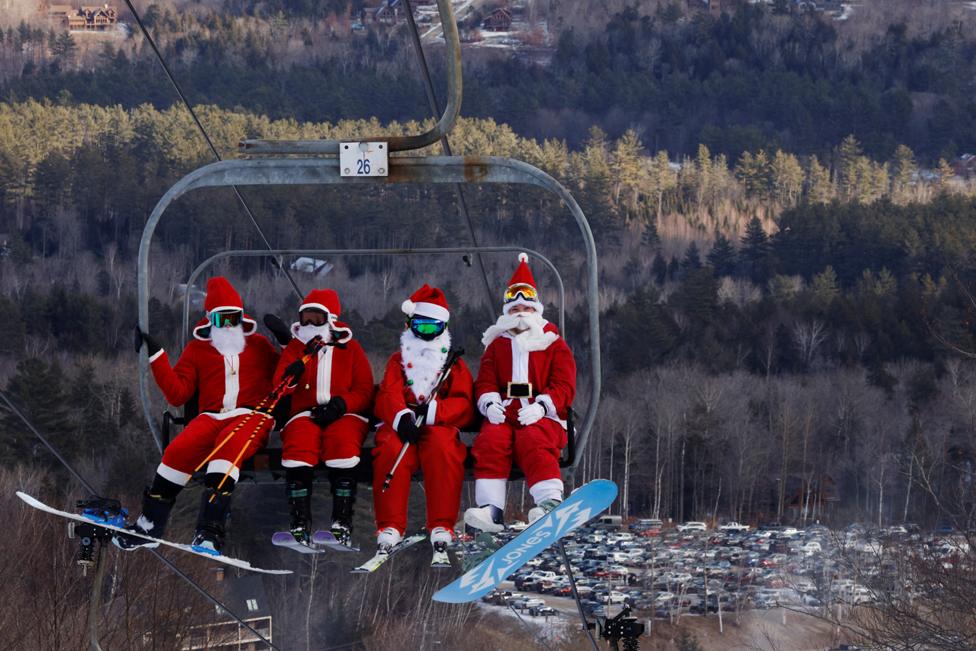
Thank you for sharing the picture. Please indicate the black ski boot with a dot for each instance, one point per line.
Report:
(298, 487)
(214, 511)
(343, 504)
(157, 502)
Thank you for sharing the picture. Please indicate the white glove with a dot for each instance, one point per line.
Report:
(531, 414)
(495, 413)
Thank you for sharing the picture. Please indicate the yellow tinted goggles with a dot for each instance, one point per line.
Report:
(528, 292)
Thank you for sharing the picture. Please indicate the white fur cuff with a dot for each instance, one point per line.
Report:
(431, 413)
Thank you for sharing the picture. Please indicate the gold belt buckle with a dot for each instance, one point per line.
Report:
(523, 390)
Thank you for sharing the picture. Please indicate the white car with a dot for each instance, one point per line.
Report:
(812, 547)
(616, 597)
(534, 603)
(692, 526)
(734, 527)
(788, 532)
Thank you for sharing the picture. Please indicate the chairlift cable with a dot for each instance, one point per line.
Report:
(206, 137)
(17, 412)
(446, 146)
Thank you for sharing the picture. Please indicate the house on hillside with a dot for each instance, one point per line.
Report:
(965, 166)
(245, 596)
(500, 20)
(87, 18)
(388, 13)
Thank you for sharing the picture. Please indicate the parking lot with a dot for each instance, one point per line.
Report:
(693, 570)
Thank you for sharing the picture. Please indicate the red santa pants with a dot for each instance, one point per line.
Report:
(204, 433)
(535, 449)
(440, 455)
(339, 444)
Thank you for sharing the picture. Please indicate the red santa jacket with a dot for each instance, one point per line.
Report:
(335, 371)
(552, 373)
(453, 407)
(227, 385)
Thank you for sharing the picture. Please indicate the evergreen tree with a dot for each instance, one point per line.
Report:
(659, 268)
(692, 259)
(787, 178)
(673, 268)
(820, 189)
(722, 257)
(36, 387)
(754, 253)
(903, 173)
(945, 172)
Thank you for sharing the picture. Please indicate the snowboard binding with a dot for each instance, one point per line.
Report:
(98, 510)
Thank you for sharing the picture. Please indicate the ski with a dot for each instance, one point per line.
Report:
(381, 557)
(286, 540)
(581, 506)
(220, 558)
(324, 538)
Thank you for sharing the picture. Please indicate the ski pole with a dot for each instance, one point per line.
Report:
(263, 407)
(452, 358)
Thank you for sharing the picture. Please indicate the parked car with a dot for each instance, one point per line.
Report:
(692, 526)
(734, 526)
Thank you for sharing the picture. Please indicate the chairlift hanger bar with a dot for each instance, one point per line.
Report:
(452, 109)
(203, 266)
(325, 171)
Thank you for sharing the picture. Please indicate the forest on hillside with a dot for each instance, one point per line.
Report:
(755, 78)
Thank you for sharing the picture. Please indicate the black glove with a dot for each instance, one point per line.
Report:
(294, 371)
(324, 415)
(407, 430)
(281, 332)
(420, 411)
(143, 337)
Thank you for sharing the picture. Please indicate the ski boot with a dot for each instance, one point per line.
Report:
(299, 490)
(212, 521)
(440, 538)
(387, 539)
(152, 522)
(343, 504)
(485, 518)
(542, 508)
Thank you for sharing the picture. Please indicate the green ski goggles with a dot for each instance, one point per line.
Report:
(427, 328)
(226, 319)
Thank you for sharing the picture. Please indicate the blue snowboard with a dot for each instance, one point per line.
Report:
(580, 507)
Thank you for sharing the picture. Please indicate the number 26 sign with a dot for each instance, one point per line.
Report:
(363, 159)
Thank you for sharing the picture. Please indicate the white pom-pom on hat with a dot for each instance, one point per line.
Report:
(408, 307)
(523, 257)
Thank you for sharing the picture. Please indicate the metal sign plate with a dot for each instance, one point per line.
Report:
(363, 159)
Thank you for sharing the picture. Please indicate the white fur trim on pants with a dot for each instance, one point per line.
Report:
(222, 466)
(547, 489)
(351, 462)
(173, 475)
(289, 463)
(491, 491)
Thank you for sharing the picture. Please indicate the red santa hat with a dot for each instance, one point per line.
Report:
(322, 299)
(327, 300)
(221, 296)
(522, 279)
(427, 302)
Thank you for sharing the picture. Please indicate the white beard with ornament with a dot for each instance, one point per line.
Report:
(423, 361)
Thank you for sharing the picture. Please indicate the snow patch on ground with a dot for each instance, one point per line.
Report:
(557, 630)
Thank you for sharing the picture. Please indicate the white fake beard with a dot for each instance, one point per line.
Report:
(228, 341)
(426, 359)
(526, 328)
(305, 333)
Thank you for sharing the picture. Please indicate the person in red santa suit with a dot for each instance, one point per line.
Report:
(525, 386)
(229, 367)
(404, 398)
(331, 399)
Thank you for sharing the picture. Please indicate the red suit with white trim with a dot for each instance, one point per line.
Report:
(410, 375)
(339, 369)
(229, 386)
(525, 386)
